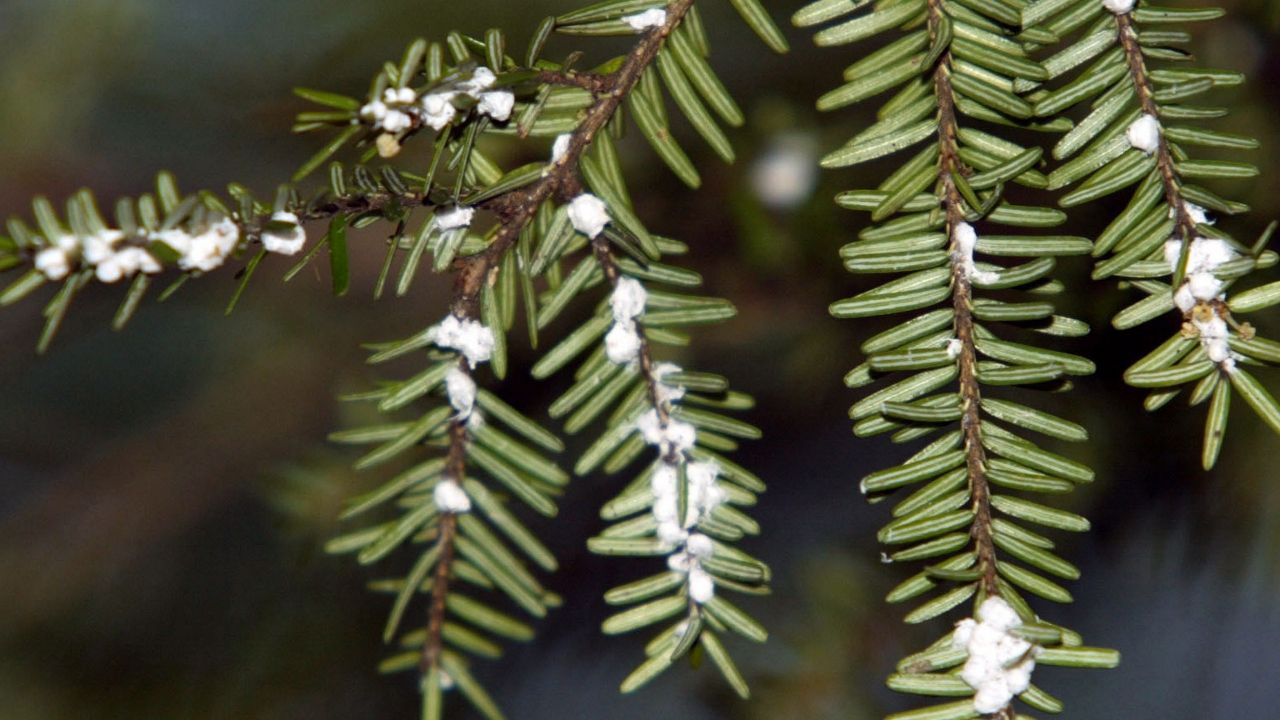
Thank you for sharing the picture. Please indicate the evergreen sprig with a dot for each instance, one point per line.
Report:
(1139, 132)
(536, 236)
(961, 74)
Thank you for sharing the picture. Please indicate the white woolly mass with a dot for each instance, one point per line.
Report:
(701, 586)
(666, 393)
(965, 239)
(622, 343)
(481, 79)
(1213, 337)
(560, 146)
(1198, 215)
(1144, 134)
(438, 109)
(126, 262)
(628, 299)
(286, 241)
(1119, 7)
(458, 216)
(699, 545)
(1202, 285)
(113, 259)
(470, 338)
(953, 348)
(497, 104)
(588, 214)
(461, 388)
(53, 262)
(656, 17)
(401, 96)
(688, 547)
(208, 250)
(450, 497)
(1000, 663)
(675, 436)
(97, 248)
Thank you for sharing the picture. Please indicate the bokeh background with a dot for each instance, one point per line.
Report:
(165, 491)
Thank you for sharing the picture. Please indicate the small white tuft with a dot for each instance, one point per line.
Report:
(497, 104)
(964, 240)
(1000, 663)
(699, 545)
(450, 497)
(481, 79)
(1119, 7)
(560, 146)
(1144, 134)
(628, 299)
(461, 388)
(622, 343)
(471, 339)
(657, 17)
(53, 262)
(374, 111)
(438, 109)
(287, 241)
(588, 215)
(458, 216)
(701, 587)
(667, 393)
(954, 346)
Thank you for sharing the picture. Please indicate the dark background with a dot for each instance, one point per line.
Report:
(165, 491)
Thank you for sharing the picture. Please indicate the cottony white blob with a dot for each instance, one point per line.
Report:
(53, 262)
(657, 17)
(471, 339)
(461, 389)
(285, 241)
(438, 109)
(497, 104)
(622, 343)
(1144, 134)
(1000, 663)
(451, 498)
(560, 146)
(588, 215)
(458, 216)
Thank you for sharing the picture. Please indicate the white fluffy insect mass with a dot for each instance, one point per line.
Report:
(1144, 133)
(1000, 663)
(472, 339)
(449, 497)
(588, 214)
(284, 240)
(1119, 7)
(115, 256)
(656, 17)
(399, 109)
(455, 217)
(964, 240)
(622, 343)
(1201, 288)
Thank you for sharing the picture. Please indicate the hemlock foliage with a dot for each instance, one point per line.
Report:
(992, 111)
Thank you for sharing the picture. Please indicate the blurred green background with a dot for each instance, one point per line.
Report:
(164, 491)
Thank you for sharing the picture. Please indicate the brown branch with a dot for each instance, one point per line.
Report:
(1184, 225)
(594, 83)
(455, 469)
(515, 210)
(950, 165)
